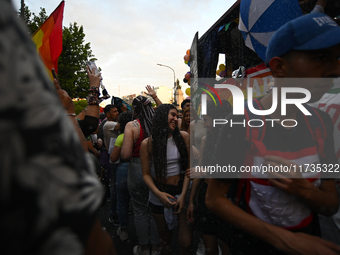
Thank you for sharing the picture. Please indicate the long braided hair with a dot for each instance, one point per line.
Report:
(160, 132)
(142, 110)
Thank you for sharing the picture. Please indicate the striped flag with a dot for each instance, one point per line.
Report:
(49, 39)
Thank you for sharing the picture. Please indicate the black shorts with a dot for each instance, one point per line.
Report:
(157, 209)
(170, 189)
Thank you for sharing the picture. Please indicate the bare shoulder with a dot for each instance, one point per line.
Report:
(131, 125)
(146, 144)
(134, 123)
(185, 135)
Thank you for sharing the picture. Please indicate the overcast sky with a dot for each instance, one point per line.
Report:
(129, 37)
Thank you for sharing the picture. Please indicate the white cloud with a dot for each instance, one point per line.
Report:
(130, 37)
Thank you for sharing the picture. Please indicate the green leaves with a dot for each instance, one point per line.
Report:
(72, 72)
(34, 21)
(79, 106)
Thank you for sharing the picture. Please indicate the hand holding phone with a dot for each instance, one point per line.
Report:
(174, 208)
(172, 199)
(91, 65)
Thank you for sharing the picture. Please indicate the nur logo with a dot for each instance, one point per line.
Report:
(238, 100)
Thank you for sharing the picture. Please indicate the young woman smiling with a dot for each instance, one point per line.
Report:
(168, 148)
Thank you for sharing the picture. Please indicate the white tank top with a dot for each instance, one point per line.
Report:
(173, 166)
(172, 154)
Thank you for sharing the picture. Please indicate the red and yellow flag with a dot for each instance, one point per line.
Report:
(49, 39)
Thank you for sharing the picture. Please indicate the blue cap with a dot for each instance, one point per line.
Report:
(313, 31)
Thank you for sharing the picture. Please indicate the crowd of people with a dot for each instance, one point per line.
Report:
(52, 160)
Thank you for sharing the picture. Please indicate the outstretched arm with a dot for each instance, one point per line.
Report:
(152, 93)
(69, 107)
(93, 109)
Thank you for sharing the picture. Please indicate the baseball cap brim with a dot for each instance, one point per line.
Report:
(314, 31)
(323, 41)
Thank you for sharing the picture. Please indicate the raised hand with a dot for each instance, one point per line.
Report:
(94, 79)
(151, 91)
(64, 97)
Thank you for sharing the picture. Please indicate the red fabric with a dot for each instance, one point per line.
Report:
(136, 145)
(56, 37)
(49, 38)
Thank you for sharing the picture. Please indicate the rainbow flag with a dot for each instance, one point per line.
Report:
(49, 39)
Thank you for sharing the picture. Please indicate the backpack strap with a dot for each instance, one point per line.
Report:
(317, 128)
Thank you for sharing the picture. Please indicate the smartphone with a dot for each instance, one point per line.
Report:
(172, 200)
(91, 65)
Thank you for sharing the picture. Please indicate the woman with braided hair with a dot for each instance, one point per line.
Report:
(168, 150)
(135, 132)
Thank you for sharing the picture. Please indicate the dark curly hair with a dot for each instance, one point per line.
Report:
(160, 132)
(123, 119)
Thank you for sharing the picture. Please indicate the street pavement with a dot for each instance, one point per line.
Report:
(122, 248)
(126, 247)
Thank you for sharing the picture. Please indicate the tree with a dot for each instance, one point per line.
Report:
(79, 106)
(71, 65)
(33, 21)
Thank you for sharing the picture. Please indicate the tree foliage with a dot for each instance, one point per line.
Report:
(71, 67)
(76, 52)
(34, 21)
(79, 106)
